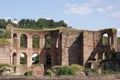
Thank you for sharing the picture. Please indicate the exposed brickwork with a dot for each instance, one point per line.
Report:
(67, 46)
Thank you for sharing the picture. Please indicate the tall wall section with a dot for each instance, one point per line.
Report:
(91, 45)
(72, 47)
(4, 54)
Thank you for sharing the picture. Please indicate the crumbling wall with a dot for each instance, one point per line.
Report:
(4, 54)
(91, 45)
(72, 47)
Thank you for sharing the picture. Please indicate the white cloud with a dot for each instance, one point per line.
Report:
(100, 9)
(109, 8)
(106, 8)
(115, 15)
(78, 9)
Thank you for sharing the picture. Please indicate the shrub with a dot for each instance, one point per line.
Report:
(4, 65)
(77, 67)
(66, 70)
(56, 69)
(4, 41)
(50, 72)
(28, 73)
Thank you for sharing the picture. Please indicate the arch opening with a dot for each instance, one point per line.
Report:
(23, 41)
(48, 41)
(14, 59)
(23, 58)
(14, 35)
(35, 41)
(105, 40)
(48, 59)
(35, 58)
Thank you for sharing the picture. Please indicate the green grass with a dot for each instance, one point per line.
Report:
(4, 41)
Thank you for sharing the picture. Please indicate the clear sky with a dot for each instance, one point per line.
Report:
(81, 14)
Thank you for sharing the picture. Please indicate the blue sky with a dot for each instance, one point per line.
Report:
(81, 14)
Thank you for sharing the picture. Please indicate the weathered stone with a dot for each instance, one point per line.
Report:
(67, 46)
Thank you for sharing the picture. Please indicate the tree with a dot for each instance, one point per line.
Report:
(2, 23)
(61, 24)
(42, 23)
(51, 23)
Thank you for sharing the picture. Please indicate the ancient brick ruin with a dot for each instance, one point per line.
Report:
(67, 46)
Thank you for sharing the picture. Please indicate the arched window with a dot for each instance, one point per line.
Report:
(105, 40)
(14, 59)
(14, 35)
(23, 41)
(23, 58)
(35, 58)
(48, 42)
(15, 40)
(35, 41)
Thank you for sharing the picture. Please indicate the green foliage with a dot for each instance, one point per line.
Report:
(4, 65)
(4, 41)
(50, 72)
(23, 41)
(77, 67)
(2, 23)
(35, 41)
(118, 41)
(1, 33)
(48, 42)
(7, 34)
(105, 40)
(35, 59)
(28, 73)
(22, 60)
(66, 70)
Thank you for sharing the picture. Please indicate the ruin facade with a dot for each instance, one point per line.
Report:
(67, 46)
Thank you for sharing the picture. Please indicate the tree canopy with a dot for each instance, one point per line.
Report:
(34, 24)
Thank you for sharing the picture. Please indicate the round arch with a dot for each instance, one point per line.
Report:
(14, 35)
(14, 59)
(23, 58)
(35, 58)
(105, 39)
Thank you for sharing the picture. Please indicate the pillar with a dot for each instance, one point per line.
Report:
(42, 41)
(29, 41)
(29, 61)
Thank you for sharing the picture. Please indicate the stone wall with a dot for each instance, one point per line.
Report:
(72, 47)
(111, 64)
(5, 54)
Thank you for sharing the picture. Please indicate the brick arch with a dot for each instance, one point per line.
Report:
(14, 35)
(35, 58)
(23, 58)
(14, 59)
(105, 39)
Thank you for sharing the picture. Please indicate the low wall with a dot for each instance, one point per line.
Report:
(36, 70)
(4, 54)
(111, 64)
(96, 77)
